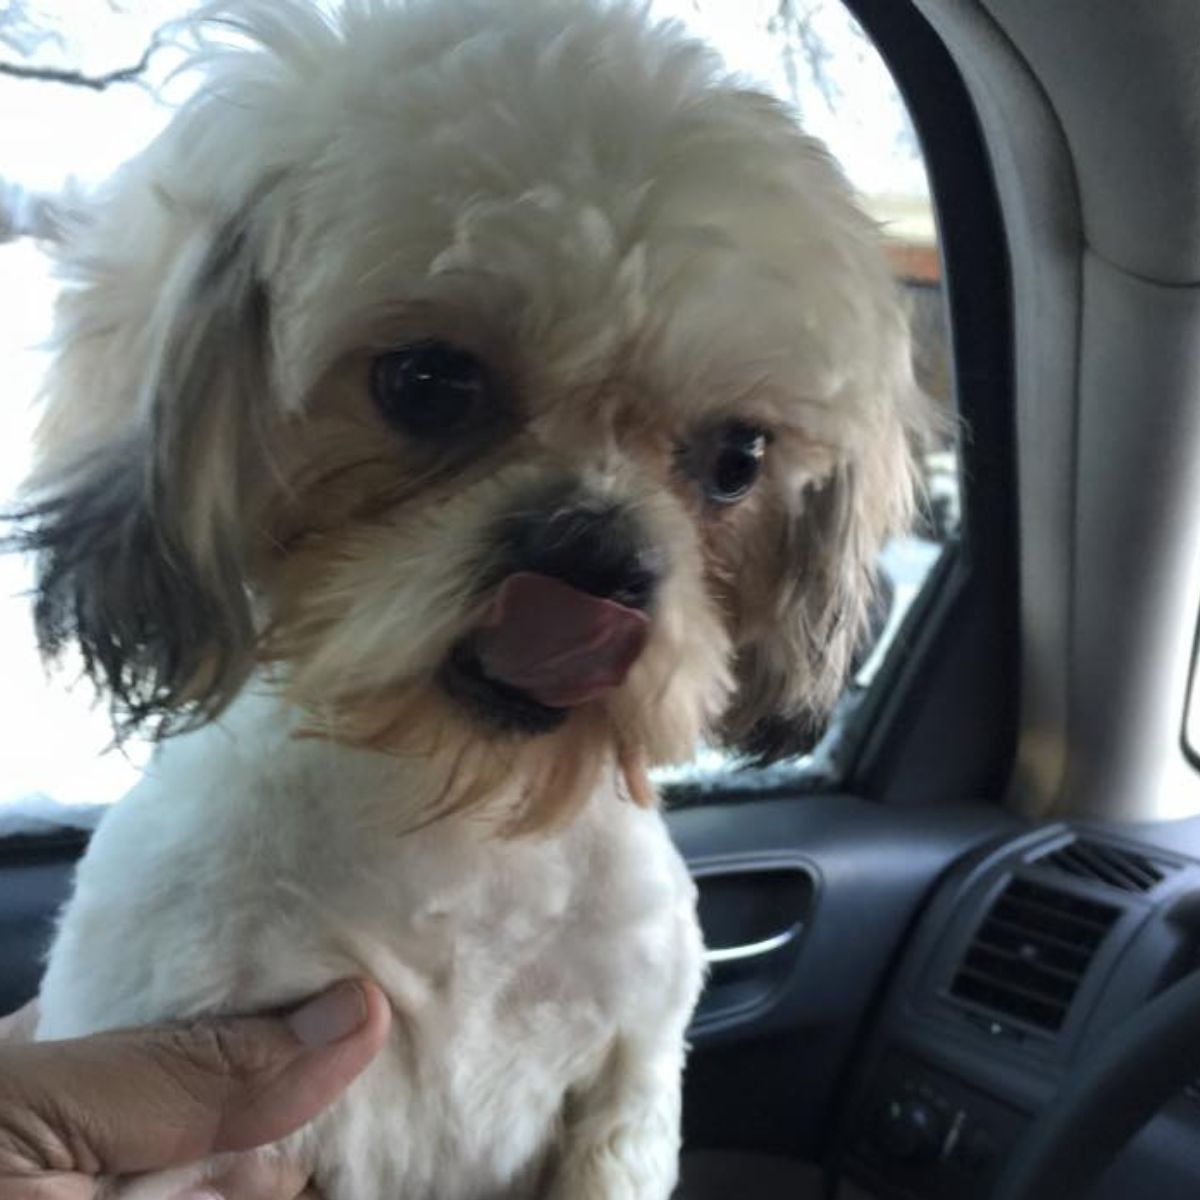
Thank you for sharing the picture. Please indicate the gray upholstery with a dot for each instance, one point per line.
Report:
(1122, 76)
(1089, 111)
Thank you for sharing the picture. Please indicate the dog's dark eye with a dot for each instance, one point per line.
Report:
(727, 461)
(429, 390)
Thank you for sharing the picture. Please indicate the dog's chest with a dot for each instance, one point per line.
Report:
(512, 967)
(511, 964)
(547, 943)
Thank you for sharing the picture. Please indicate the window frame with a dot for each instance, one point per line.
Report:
(939, 722)
(943, 721)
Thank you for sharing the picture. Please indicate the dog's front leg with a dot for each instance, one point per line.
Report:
(621, 1136)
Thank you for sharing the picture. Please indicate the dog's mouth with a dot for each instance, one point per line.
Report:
(543, 649)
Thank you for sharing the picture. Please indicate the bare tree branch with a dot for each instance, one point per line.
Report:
(818, 57)
(20, 32)
(73, 78)
(30, 214)
(796, 27)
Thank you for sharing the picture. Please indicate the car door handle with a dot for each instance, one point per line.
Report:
(754, 910)
(751, 950)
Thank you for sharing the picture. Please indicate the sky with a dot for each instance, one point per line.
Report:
(53, 737)
(47, 132)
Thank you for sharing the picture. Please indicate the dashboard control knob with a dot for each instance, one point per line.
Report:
(909, 1130)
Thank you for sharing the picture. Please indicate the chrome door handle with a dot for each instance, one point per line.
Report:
(734, 954)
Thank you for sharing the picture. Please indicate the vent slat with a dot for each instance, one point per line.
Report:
(1089, 866)
(1114, 866)
(1071, 954)
(1140, 873)
(1011, 986)
(1025, 958)
(1030, 953)
(1064, 926)
(995, 1000)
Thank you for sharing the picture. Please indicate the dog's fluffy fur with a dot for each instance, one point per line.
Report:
(639, 248)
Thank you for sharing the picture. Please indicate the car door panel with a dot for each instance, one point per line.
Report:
(805, 903)
(840, 882)
(35, 880)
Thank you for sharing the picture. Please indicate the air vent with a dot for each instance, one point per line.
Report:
(1102, 862)
(1031, 952)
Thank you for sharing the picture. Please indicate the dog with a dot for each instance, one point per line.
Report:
(460, 409)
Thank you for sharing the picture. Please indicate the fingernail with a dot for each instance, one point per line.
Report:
(329, 1017)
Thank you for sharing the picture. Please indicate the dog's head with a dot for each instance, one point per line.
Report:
(503, 380)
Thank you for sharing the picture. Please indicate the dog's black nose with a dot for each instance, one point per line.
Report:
(595, 548)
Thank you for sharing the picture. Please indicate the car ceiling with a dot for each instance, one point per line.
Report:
(1091, 113)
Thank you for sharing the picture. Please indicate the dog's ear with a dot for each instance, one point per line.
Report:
(152, 441)
(789, 678)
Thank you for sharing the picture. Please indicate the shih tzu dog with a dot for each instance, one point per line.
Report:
(464, 406)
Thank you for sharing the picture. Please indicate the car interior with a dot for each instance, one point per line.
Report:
(963, 961)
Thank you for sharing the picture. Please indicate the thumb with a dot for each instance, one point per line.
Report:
(145, 1099)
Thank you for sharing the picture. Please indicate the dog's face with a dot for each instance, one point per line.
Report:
(504, 383)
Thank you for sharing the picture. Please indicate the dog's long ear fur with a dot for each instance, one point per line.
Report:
(150, 446)
(789, 679)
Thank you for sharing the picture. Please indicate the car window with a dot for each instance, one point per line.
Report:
(816, 57)
(85, 83)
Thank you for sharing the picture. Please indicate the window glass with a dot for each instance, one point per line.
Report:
(815, 56)
(76, 99)
(84, 84)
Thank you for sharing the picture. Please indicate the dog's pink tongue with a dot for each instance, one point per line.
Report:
(560, 645)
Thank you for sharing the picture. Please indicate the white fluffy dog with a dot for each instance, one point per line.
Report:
(462, 407)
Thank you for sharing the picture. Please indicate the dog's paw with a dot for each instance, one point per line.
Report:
(628, 1166)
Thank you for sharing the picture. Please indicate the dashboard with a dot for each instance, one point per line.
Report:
(896, 992)
(1031, 950)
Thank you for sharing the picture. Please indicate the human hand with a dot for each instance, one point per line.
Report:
(73, 1112)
